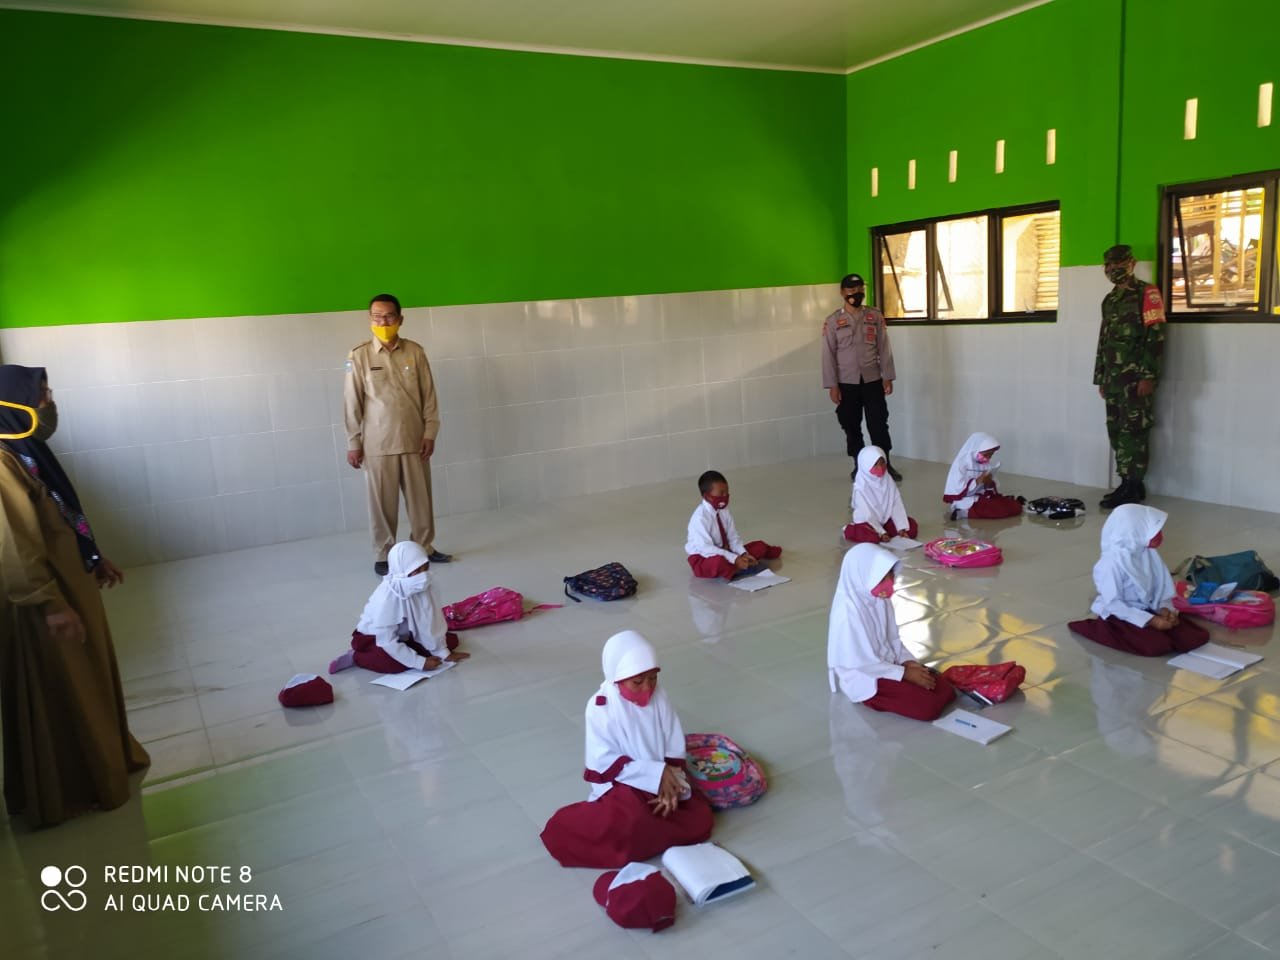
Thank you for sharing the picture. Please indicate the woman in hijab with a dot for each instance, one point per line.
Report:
(640, 802)
(401, 627)
(67, 746)
(971, 482)
(1135, 589)
(865, 658)
(878, 512)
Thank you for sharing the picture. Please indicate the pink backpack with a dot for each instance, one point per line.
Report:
(963, 552)
(495, 605)
(1246, 608)
(722, 772)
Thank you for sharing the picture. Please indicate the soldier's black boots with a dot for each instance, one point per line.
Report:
(897, 477)
(1129, 491)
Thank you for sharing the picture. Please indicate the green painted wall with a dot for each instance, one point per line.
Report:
(1177, 49)
(158, 170)
(1055, 66)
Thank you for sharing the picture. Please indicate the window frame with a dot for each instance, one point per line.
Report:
(1269, 287)
(995, 266)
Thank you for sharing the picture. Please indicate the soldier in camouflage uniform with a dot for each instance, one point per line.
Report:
(1130, 350)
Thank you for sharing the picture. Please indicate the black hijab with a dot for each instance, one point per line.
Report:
(25, 385)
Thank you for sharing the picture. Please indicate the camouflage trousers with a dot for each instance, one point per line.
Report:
(1129, 421)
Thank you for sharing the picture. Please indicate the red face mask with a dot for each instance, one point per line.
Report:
(877, 471)
(639, 697)
(718, 502)
(1156, 540)
(883, 589)
(982, 457)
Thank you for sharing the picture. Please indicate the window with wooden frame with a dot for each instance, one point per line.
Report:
(989, 266)
(1218, 249)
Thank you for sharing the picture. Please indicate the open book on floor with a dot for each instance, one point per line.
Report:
(707, 872)
(1215, 661)
(971, 726)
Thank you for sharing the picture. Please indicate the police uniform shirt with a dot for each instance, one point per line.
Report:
(389, 398)
(856, 347)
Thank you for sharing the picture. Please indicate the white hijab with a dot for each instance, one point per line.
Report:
(876, 499)
(965, 466)
(1125, 536)
(862, 634)
(401, 598)
(651, 732)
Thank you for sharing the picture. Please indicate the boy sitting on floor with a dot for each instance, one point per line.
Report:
(713, 544)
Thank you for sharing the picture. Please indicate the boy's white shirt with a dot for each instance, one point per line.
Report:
(704, 534)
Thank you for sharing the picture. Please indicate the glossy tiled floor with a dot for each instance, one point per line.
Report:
(1134, 811)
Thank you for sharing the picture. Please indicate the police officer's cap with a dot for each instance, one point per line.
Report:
(1118, 254)
(852, 280)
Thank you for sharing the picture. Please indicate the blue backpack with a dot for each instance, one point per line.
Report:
(1245, 569)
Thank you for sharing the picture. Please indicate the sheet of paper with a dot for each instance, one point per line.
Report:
(406, 679)
(971, 726)
(1223, 593)
(902, 543)
(765, 578)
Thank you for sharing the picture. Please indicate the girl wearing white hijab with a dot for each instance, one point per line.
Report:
(878, 512)
(971, 482)
(1135, 590)
(401, 627)
(865, 658)
(640, 802)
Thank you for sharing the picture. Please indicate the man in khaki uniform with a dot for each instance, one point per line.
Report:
(389, 405)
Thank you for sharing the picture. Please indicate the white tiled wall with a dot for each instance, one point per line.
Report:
(1217, 437)
(188, 437)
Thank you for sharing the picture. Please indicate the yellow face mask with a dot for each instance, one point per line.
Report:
(30, 411)
(385, 334)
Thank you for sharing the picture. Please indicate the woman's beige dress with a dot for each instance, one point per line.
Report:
(67, 746)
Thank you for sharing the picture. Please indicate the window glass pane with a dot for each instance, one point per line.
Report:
(902, 275)
(1029, 252)
(962, 268)
(1216, 251)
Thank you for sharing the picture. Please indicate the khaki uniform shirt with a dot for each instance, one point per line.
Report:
(389, 398)
(855, 347)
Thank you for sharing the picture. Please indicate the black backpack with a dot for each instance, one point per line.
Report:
(1056, 508)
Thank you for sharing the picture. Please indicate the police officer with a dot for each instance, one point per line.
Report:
(1130, 350)
(389, 405)
(857, 370)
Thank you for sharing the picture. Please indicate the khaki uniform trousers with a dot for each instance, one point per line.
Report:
(387, 477)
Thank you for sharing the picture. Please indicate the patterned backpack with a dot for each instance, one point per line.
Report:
(963, 552)
(722, 772)
(613, 581)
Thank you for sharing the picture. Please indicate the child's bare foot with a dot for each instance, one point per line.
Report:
(458, 656)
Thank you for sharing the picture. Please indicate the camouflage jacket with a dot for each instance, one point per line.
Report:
(1131, 339)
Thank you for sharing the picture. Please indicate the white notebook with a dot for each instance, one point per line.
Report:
(971, 726)
(707, 872)
(407, 678)
(1215, 661)
(765, 578)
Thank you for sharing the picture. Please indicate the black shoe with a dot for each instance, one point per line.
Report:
(435, 556)
(1131, 491)
(381, 568)
(1109, 500)
(897, 477)
(1139, 490)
